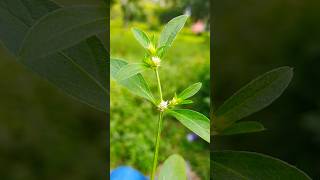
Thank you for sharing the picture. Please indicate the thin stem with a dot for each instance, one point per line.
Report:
(159, 84)
(157, 143)
(156, 152)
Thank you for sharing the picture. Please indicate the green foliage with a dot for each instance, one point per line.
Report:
(171, 30)
(68, 58)
(130, 70)
(190, 91)
(173, 168)
(141, 37)
(136, 84)
(253, 97)
(237, 165)
(196, 122)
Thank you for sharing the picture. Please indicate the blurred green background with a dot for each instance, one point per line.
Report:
(45, 134)
(251, 37)
(134, 120)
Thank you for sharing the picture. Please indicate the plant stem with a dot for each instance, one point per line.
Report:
(159, 84)
(156, 151)
(157, 143)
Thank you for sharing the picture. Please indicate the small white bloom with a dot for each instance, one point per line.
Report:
(156, 61)
(163, 105)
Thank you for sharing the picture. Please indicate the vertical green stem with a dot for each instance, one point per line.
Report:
(159, 84)
(157, 143)
(156, 151)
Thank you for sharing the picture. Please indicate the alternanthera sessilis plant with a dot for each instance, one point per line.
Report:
(129, 75)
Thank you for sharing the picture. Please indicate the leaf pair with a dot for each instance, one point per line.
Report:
(59, 44)
(253, 97)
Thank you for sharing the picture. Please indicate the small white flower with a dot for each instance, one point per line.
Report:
(163, 105)
(156, 61)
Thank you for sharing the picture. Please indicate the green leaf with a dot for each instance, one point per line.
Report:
(253, 97)
(130, 70)
(190, 91)
(136, 84)
(171, 30)
(173, 168)
(243, 127)
(80, 71)
(236, 165)
(61, 29)
(195, 121)
(141, 37)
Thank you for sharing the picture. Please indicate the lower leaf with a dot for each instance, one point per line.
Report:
(174, 168)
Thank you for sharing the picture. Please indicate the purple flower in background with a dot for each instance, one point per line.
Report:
(192, 137)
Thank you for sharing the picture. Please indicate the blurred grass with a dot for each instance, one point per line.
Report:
(133, 120)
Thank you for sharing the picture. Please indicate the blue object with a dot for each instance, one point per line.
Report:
(126, 173)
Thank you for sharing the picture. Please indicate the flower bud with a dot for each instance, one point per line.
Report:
(174, 101)
(152, 49)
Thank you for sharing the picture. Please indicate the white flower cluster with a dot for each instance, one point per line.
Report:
(156, 61)
(163, 106)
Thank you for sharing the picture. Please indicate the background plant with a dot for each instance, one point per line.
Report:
(129, 76)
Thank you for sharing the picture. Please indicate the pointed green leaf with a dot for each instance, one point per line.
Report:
(236, 165)
(130, 70)
(62, 29)
(141, 37)
(171, 30)
(243, 127)
(136, 84)
(173, 168)
(253, 97)
(190, 91)
(195, 121)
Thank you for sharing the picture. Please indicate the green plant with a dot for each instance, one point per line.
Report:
(253, 97)
(129, 75)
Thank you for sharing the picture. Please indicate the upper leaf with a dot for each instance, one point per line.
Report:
(62, 29)
(195, 121)
(141, 37)
(136, 84)
(130, 70)
(235, 165)
(171, 30)
(173, 168)
(253, 97)
(190, 91)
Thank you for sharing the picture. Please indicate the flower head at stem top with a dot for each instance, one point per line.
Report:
(156, 61)
(163, 105)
